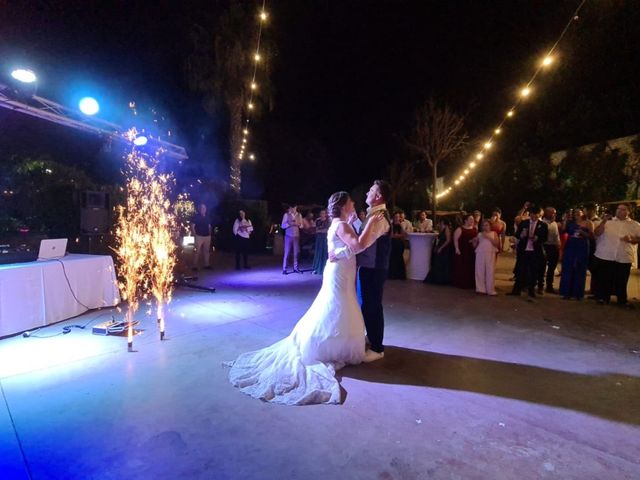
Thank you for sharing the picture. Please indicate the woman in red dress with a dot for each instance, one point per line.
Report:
(464, 259)
(498, 226)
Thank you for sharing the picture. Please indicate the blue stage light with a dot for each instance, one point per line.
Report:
(24, 75)
(89, 106)
(140, 141)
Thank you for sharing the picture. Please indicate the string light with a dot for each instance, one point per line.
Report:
(253, 88)
(524, 92)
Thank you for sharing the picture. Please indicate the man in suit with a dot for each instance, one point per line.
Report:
(531, 234)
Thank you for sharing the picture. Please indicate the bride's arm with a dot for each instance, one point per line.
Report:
(372, 231)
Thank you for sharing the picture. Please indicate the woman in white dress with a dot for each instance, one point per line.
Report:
(300, 369)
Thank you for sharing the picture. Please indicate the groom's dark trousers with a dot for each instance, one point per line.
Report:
(370, 288)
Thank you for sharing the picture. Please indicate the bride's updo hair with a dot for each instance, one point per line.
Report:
(336, 202)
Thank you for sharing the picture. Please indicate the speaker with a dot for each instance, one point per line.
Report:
(94, 212)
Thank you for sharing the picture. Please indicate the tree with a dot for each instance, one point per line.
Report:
(633, 169)
(401, 176)
(438, 136)
(220, 67)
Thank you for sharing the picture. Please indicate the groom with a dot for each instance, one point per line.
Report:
(373, 266)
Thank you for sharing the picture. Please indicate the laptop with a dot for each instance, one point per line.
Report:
(52, 249)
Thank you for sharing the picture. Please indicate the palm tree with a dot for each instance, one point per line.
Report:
(221, 67)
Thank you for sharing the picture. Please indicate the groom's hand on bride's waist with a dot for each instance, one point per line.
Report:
(332, 256)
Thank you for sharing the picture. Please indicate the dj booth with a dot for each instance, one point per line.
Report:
(36, 294)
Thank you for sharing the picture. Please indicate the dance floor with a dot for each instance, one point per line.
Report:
(471, 387)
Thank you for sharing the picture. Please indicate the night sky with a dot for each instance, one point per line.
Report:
(347, 77)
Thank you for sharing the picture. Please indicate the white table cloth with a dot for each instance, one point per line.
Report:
(421, 245)
(36, 294)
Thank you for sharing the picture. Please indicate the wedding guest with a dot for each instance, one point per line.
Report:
(576, 255)
(477, 218)
(291, 224)
(551, 250)
(498, 226)
(440, 271)
(406, 224)
(531, 235)
(201, 229)
(242, 229)
(614, 254)
(320, 252)
(307, 234)
(486, 247)
(359, 221)
(463, 274)
(424, 224)
(396, 260)
(590, 212)
(309, 224)
(523, 214)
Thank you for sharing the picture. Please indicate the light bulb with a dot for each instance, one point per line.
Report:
(510, 113)
(546, 61)
(497, 131)
(257, 57)
(488, 145)
(525, 92)
(480, 156)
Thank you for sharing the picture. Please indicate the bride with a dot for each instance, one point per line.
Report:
(300, 369)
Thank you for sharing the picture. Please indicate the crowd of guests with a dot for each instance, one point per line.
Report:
(466, 251)
(467, 247)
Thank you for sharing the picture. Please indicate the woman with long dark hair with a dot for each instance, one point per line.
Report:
(575, 259)
(464, 259)
(440, 271)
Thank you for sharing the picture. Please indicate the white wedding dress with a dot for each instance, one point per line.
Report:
(300, 369)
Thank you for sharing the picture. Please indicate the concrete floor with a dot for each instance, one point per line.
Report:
(471, 387)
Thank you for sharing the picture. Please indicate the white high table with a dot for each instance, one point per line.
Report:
(36, 294)
(421, 245)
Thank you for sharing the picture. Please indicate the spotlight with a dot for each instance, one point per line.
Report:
(24, 75)
(89, 106)
(140, 141)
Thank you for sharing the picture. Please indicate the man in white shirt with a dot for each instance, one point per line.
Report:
(424, 224)
(291, 224)
(615, 250)
(405, 224)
